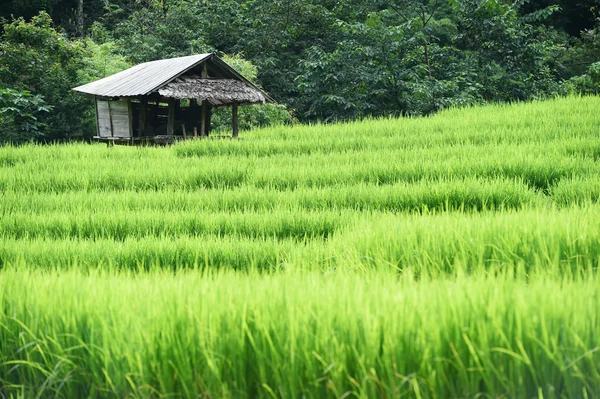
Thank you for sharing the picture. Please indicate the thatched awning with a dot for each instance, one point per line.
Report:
(217, 91)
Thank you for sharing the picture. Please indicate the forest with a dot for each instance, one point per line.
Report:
(416, 214)
(321, 60)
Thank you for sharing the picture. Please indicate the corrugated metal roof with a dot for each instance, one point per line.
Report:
(142, 79)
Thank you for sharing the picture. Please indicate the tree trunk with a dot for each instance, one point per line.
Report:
(427, 62)
(80, 19)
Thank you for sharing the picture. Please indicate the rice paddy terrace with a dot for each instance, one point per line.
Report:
(449, 256)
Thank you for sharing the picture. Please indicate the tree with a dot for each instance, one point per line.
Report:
(161, 30)
(21, 116)
(275, 36)
(576, 16)
(513, 56)
(36, 58)
(73, 16)
(362, 76)
(379, 69)
(423, 11)
(101, 60)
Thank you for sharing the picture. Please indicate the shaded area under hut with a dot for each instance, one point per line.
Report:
(165, 100)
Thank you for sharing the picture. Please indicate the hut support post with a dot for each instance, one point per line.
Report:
(142, 121)
(110, 116)
(171, 118)
(203, 121)
(156, 112)
(208, 118)
(234, 119)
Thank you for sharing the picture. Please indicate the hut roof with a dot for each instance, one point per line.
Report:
(217, 91)
(157, 77)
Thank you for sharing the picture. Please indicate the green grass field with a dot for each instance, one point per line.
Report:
(454, 256)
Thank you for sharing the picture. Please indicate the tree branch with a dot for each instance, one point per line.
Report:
(393, 7)
(435, 6)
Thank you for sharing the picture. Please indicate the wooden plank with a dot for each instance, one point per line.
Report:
(116, 113)
(104, 128)
(102, 107)
(171, 120)
(119, 106)
(121, 130)
(142, 119)
(103, 121)
(120, 118)
(234, 120)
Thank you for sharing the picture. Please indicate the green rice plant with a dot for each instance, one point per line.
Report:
(120, 225)
(492, 125)
(451, 194)
(200, 334)
(538, 166)
(149, 253)
(449, 256)
(525, 142)
(586, 148)
(577, 191)
(560, 242)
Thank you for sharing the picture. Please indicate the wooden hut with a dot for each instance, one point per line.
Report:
(163, 100)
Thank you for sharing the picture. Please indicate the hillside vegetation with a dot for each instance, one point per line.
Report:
(448, 256)
(320, 60)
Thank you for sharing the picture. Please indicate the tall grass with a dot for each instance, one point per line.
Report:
(449, 256)
(561, 242)
(103, 334)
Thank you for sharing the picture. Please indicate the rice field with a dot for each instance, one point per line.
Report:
(453, 256)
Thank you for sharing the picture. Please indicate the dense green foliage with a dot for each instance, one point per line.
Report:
(454, 255)
(21, 115)
(321, 60)
(35, 57)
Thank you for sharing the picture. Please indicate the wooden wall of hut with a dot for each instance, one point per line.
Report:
(114, 118)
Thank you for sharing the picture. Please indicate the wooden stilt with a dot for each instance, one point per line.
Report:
(184, 132)
(142, 121)
(195, 132)
(171, 118)
(208, 118)
(234, 120)
(203, 121)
